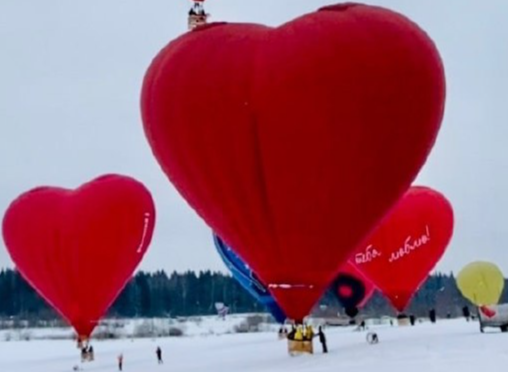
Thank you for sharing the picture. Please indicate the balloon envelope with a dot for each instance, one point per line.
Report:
(245, 276)
(277, 137)
(78, 248)
(408, 243)
(481, 283)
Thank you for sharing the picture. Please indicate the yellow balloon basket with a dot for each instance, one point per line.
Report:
(299, 347)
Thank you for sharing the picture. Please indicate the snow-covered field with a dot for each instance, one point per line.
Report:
(137, 328)
(448, 346)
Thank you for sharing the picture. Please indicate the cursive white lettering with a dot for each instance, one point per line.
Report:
(367, 256)
(411, 245)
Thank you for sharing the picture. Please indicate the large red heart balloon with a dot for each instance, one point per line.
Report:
(277, 137)
(78, 248)
(406, 246)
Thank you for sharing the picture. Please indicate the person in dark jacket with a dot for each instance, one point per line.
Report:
(432, 315)
(466, 313)
(362, 325)
(120, 362)
(158, 352)
(412, 319)
(84, 354)
(290, 335)
(322, 340)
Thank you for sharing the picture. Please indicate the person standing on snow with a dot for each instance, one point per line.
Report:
(290, 335)
(322, 340)
(90, 353)
(84, 354)
(158, 352)
(120, 362)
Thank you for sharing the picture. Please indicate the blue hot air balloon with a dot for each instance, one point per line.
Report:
(247, 278)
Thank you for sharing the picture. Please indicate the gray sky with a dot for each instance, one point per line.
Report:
(70, 79)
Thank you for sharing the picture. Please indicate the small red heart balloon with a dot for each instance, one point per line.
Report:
(352, 289)
(407, 245)
(488, 312)
(350, 273)
(277, 137)
(78, 248)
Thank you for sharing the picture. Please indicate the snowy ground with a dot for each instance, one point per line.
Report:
(128, 328)
(448, 346)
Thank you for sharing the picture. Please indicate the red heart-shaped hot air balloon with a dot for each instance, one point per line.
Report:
(78, 248)
(407, 245)
(283, 138)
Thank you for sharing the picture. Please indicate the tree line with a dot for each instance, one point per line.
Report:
(160, 294)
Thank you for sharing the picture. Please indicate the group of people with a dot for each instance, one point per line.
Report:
(301, 332)
(87, 353)
(197, 10)
(158, 353)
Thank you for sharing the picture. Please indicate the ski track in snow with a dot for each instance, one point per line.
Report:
(448, 346)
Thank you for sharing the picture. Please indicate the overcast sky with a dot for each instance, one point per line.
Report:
(70, 79)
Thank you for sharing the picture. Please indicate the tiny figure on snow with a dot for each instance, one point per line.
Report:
(282, 333)
(466, 313)
(158, 352)
(90, 353)
(120, 362)
(322, 340)
(290, 335)
(362, 326)
(432, 315)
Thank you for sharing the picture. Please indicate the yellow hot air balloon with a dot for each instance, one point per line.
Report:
(481, 283)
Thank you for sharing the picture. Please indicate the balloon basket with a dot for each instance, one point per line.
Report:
(404, 322)
(299, 347)
(87, 357)
(196, 20)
